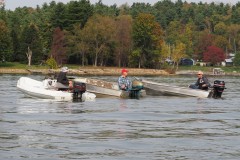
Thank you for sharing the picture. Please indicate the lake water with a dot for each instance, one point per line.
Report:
(156, 128)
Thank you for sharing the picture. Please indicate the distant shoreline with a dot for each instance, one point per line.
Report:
(189, 72)
(88, 71)
(108, 72)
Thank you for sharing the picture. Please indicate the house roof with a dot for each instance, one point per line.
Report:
(228, 60)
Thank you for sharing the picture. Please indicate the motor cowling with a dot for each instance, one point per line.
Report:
(218, 88)
(78, 89)
(137, 85)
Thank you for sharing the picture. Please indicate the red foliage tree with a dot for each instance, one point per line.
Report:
(58, 50)
(214, 55)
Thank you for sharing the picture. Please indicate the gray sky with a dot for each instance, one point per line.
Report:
(12, 4)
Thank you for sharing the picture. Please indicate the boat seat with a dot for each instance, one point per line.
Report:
(61, 86)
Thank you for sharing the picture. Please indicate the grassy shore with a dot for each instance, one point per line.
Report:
(18, 68)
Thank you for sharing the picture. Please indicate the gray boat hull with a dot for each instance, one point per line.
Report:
(154, 88)
(105, 89)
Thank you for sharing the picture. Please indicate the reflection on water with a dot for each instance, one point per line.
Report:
(112, 128)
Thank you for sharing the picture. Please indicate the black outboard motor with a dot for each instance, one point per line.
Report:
(218, 88)
(78, 89)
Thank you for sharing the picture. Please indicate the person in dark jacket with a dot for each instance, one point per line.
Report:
(62, 80)
(202, 82)
(62, 76)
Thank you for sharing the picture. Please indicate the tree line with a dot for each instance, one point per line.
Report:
(141, 35)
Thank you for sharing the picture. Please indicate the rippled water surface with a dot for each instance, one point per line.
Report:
(157, 127)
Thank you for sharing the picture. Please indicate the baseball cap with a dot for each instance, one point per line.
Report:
(124, 70)
(64, 69)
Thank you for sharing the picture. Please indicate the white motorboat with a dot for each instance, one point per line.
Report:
(103, 88)
(154, 88)
(46, 90)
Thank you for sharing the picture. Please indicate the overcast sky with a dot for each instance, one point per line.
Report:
(12, 4)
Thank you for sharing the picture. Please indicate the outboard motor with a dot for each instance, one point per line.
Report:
(78, 89)
(218, 88)
(137, 86)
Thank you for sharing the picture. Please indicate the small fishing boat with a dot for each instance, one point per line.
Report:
(46, 89)
(103, 88)
(154, 88)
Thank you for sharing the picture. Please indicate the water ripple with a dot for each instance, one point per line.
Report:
(111, 128)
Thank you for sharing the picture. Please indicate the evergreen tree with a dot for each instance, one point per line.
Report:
(5, 43)
(78, 12)
(58, 16)
(236, 60)
(16, 46)
(30, 39)
(104, 10)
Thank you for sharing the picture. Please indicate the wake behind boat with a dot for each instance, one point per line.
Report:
(46, 90)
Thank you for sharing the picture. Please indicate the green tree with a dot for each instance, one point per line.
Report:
(58, 16)
(16, 45)
(235, 15)
(165, 12)
(233, 33)
(236, 60)
(135, 58)
(105, 10)
(173, 32)
(30, 38)
(45, 27)
(165, 54)
(178, 52)
(5, 42)
(124, 9)
(3, 13)
(78, 12)
(220, 28)
(138, 8)
(77, 45)
(187, 37)
(221, 42)
(147, 36)
(165, 51)
(100, 36)
(52, 63)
